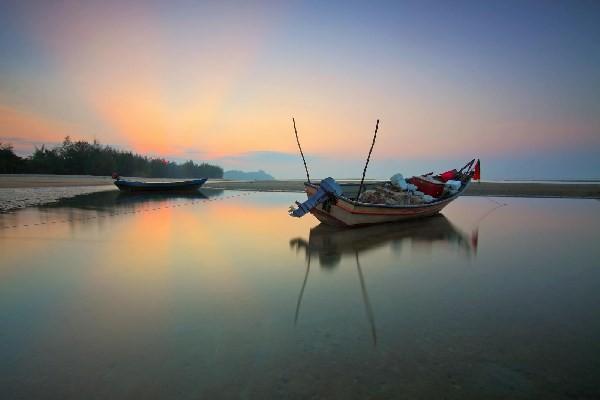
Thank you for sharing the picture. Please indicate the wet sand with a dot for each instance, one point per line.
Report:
(510, 189)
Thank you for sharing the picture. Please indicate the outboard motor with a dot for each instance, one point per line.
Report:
(328, 188)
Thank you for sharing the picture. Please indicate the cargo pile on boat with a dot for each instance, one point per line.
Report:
(413, 191)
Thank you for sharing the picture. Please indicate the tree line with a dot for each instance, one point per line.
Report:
(84, 158)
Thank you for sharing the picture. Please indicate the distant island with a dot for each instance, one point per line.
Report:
(259, 175)
(83, 158)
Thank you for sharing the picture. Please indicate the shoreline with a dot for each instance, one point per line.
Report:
(503, 189)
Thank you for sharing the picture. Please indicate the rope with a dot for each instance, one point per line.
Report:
(124, 212)
(367, 163)
(301, 153)
(495, 201)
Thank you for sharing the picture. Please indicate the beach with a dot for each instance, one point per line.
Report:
(485, 188)
(325, 200)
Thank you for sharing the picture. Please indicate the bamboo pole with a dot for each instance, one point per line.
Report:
(301, 153)
(367, 163)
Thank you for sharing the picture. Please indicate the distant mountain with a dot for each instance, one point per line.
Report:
(259, 175)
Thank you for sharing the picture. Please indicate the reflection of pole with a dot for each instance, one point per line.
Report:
(302, 290)
(368, 308)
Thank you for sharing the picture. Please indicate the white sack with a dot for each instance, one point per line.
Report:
(398, 181)
(453, 185)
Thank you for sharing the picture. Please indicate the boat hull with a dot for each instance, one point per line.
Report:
(159, 187)
(345, 212)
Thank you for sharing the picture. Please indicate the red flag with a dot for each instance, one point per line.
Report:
(477, 173)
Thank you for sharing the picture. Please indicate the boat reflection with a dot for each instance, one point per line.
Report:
(114, 199)
(98, 205)
(331, 243)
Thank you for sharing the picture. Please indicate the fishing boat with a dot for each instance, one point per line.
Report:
(339, 204)
(158, 187)
(403, 199)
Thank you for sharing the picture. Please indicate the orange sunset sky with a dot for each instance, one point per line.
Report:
(514, 83)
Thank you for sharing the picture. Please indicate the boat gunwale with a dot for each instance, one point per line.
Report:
(159, 183)
(170, 187)
(356, 203)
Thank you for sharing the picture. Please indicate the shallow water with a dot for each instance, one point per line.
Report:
(13, 198)
(222, 295)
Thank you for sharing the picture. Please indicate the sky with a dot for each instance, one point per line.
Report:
(514, 83)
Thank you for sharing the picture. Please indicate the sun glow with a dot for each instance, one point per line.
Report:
(211, 81)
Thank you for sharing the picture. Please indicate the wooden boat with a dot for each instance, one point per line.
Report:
(167, 187)
(337, 204)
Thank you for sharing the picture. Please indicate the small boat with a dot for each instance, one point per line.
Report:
(339, 204)
(168, 187)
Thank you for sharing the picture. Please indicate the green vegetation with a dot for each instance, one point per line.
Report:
(10, 163)
(83, 158)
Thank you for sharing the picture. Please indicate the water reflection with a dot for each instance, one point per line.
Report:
(330, 243)
(100, 205)
(197, 301)
(111, 200)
